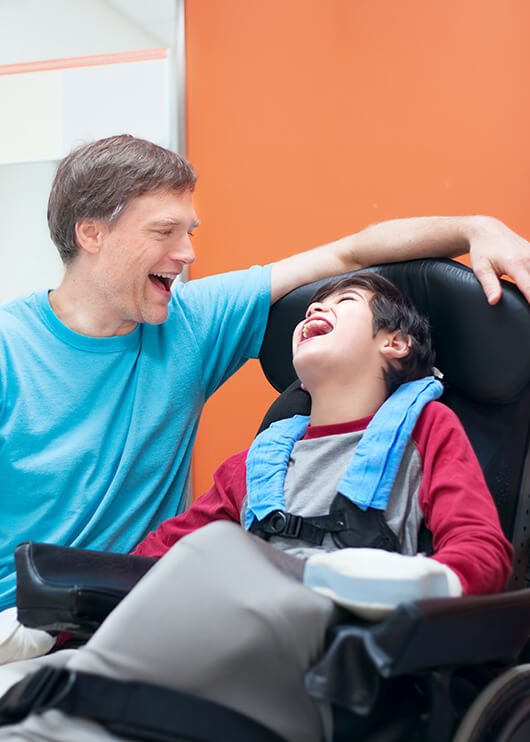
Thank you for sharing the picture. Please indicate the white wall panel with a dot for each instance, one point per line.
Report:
(29, 125)
(113, 99)
(48, 113)
(28, 258)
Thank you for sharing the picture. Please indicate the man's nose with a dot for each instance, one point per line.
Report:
(184, 253)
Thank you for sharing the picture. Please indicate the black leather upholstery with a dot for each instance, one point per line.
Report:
(66, 589)
(483, 350)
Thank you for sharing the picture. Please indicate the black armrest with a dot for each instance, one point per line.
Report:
(419, 637)
(65, 589)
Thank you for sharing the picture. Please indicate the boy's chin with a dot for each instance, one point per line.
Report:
(309, 383)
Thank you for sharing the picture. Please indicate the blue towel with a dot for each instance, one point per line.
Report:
(372, 471)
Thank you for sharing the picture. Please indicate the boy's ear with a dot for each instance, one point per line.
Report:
(395, 345)
(89, 234)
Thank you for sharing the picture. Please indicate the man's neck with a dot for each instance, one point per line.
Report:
(74, 304)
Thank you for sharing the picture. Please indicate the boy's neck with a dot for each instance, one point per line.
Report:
(332, 405)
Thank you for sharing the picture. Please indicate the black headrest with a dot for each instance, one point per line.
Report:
(483, 351)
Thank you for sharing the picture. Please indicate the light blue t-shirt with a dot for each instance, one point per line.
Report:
(96, 434)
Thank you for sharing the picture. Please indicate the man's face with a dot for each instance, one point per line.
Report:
(141, 255)
(336, 339)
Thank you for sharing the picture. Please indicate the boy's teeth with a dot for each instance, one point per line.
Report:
(314, 328)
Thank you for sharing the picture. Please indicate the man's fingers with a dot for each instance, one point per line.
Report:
(489, 281)
(521, 276)
(487, 274)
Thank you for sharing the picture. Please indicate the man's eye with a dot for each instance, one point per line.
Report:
(164, 232)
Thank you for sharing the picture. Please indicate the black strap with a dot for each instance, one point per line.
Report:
(309, 529)
(131, 709)
(348, 525)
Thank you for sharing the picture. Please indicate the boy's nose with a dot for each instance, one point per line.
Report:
(314, 308)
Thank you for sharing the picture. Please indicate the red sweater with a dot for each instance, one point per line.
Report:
(456, 504)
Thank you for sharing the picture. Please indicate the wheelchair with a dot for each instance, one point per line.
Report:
(432, 671)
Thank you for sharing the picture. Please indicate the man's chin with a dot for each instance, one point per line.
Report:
(157, 317)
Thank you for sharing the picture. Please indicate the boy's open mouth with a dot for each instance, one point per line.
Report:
(314, 327)
(163, 280)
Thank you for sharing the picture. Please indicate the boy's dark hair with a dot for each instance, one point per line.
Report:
(392, 310)
(100, 179)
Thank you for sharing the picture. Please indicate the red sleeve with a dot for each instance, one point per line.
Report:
(457, 505)
(222, 502)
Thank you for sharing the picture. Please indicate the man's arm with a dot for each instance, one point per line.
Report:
(495, 250)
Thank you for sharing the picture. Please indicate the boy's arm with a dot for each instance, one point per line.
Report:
(457, 505)
(222, 502)
(494, 249)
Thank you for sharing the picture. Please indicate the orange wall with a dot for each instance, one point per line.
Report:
(309, 119)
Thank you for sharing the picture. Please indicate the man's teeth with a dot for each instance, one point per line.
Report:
(315, 327)
(166, 279)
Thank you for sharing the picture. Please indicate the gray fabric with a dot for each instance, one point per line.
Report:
(54, 726)
(315, 468)
(403, 513)
(215, 617)
(15, 671)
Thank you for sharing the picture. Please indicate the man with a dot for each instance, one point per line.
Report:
(102, 380)
(227, 617)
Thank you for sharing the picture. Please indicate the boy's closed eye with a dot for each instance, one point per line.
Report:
(353, 296)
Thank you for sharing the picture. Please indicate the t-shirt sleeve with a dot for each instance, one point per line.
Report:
(3, 370)
(457, 505)
(222, 502)
(228, 314)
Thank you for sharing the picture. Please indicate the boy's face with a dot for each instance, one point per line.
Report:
(336, 338)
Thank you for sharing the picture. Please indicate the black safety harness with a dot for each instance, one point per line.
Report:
(348, 525)
(130, 709)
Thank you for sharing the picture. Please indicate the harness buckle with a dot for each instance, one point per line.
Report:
(37, 692)
(284, 524)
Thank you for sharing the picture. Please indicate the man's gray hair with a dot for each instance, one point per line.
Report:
(100, 179)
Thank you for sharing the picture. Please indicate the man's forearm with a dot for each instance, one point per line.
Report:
(495, 249)
(407, 239)
(387, 242)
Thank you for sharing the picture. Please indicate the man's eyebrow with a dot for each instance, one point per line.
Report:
(169, 222)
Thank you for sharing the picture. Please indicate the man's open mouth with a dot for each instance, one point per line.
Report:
(163, 280)
(314, 327)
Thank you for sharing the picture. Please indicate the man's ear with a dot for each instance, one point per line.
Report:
(395, 345)
(89, 234)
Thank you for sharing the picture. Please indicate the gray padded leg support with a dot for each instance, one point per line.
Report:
(217, 618)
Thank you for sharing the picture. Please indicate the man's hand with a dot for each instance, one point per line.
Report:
(496, 250)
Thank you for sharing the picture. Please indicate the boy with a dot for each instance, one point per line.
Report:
(361, 339)
(240, 627)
